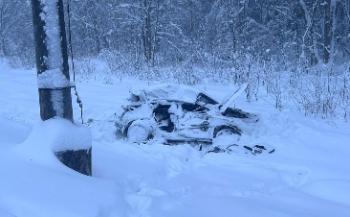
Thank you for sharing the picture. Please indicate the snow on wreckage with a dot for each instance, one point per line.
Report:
(181, 115)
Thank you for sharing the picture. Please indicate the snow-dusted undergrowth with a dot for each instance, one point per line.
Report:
(308, 175)
(320, 91)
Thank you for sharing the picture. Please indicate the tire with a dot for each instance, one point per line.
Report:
(226, 136)
(226, 130)
(139, 131)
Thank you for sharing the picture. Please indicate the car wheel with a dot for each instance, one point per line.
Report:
(226, 130)
(226, 136)
(139, 131)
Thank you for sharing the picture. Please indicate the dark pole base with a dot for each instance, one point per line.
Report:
(79, 160)
(47, 111)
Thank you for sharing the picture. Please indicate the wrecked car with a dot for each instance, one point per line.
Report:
(181, 115)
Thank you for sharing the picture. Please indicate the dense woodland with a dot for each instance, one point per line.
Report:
(163, 32)
(298, 48)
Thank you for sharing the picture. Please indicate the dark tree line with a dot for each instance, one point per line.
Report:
(170, 32)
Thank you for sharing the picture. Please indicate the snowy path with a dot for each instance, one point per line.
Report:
(309, 175)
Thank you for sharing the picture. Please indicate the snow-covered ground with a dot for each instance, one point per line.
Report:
(308, 175)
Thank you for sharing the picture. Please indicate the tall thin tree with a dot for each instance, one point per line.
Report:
(327, 34)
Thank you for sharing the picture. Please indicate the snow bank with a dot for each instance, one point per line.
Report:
(12, 132)
(53, 136)
(4, 66)
(30, 189)
(308, 175)
(34, 183)
(5, 214)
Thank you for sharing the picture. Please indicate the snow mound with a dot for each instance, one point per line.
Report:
(35, 184)
(12, 132)
(53, 136)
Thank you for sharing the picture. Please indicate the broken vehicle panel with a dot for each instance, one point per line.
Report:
(180, 116)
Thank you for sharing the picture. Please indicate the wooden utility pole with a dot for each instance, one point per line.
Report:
(53, 74)
(48, 91)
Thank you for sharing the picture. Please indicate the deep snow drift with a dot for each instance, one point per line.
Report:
(308, 175)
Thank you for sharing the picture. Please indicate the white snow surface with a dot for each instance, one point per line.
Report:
(56, 135)
(307, 176)
(52, 78)
(168, 91)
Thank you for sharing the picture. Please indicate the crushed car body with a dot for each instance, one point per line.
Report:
(182, 115)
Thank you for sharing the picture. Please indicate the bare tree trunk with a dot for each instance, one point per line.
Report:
(309, 31)
(2, 31)
(147, 31)
(327, 35)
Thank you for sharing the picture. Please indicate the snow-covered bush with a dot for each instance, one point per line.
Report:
(322, 91)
